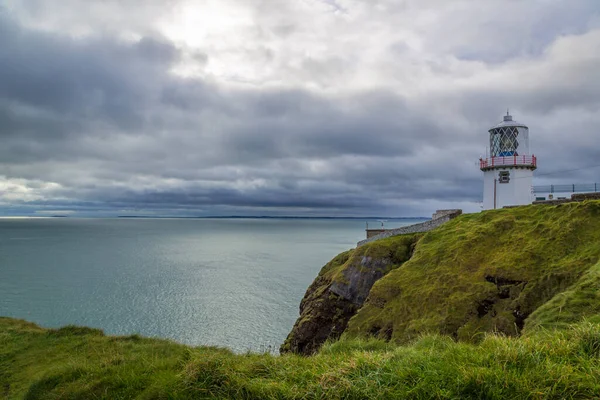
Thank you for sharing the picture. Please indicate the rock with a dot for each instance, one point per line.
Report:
(341, 289)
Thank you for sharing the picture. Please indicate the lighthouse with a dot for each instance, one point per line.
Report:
(508, 171)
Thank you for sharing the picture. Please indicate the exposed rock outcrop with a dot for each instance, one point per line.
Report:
(341, 289)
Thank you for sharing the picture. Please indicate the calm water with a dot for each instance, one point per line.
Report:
(226, 282)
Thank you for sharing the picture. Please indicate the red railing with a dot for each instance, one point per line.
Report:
(525, 161)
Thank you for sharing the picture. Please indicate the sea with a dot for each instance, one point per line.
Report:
(227, 282)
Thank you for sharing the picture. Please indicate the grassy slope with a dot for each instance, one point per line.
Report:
(80, 363)
(487, 272)
(582, 300)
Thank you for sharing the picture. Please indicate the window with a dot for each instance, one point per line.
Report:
(503, 142)
(504, 177)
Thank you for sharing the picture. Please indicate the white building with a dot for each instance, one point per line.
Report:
(508, 171)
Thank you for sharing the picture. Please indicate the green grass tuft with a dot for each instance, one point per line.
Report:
(72, 330)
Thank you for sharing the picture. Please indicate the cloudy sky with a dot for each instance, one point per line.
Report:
(286, 107)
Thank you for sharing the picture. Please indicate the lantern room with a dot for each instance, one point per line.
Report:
(509, 138)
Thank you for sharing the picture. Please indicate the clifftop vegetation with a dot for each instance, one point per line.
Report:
(487, 272)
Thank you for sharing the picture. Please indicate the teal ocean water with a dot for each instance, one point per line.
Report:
(235, 283)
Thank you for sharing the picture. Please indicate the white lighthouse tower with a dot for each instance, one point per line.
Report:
(508, 172)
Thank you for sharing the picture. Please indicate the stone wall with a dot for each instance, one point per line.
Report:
(552, 202)
(443, 213)
(374, 232)
(585, 196)
(442, 218)
(574, 197)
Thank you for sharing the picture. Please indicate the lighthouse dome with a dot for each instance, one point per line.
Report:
(508, 121)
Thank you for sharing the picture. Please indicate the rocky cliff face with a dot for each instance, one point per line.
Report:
(484, 272)
(341, 289)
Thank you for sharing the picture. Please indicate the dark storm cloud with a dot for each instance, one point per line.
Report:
(101, 122)
(54, 89)
(56, 92)
(95, 78)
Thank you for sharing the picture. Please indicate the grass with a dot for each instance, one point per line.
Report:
(582, 300)
(80, 363)
(76, 362)
(488, 272)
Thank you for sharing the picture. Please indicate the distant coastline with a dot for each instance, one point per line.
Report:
(275, 217)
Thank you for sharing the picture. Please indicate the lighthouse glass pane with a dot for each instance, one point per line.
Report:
(503, 142)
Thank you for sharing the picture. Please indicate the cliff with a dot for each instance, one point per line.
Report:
(341, 289)
(507, 271)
